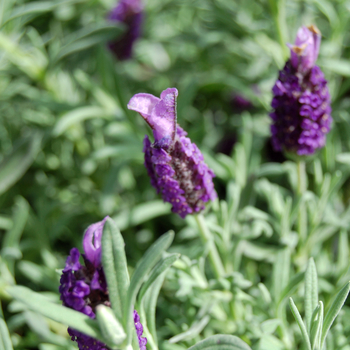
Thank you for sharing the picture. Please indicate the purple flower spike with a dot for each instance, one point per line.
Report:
(130, 13)
(304, 52)
(175, 165)
(84, 287)
(301, 115)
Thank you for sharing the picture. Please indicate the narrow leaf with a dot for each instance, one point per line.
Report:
(148, 310)
(301, 324)
(221, 342)
(108, 262)
(163, 265)
(13, 167)
(192, 332)
(110, 327)
(33, 8)
(316, 326)
(145, 265)
(89, 37)
(334, 310)
(311, 292)
(5, 340)
(116, 242)
(39, 303)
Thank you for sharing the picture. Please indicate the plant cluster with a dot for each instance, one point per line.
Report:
(245, 165)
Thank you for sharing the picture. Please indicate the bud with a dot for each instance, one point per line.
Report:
(175, 165)
(92, 242)
(304, 52)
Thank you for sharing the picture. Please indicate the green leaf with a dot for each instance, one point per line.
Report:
(311, 292)
(115, 266)
(110, 327)
(281, 270)
(163, 265)
(76, 116)
(145, 265)
(192, 332)
(343, 158)
(89, 37)
(39, 303)
(301, 324)
(221, 342)
(5, 339)
(141, 213)
(32, 8)
(14, 166)
(293, 283)
(334, 310)
(316, 327)
(339, 66)
(13, 236)
(148, 310)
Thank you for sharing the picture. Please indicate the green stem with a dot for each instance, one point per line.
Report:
(208, 239)
(301, 189)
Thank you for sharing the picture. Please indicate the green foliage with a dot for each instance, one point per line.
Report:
(71, 153)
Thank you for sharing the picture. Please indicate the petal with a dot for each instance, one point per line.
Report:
(92, 242)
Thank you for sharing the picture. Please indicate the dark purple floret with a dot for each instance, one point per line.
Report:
(301, 100)
(175, 164)
(84, 287)
(239, 103)
(130, 13)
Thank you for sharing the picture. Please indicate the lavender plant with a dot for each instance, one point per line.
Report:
(70, 154)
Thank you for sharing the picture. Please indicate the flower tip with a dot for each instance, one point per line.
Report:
(169, 91)
(92, 242)
(305, 50)
(314, 29)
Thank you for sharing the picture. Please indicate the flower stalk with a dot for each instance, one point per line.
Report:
(208, 240)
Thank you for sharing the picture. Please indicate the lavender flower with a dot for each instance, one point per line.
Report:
(301, 102)
(130, 13)
(84, 287)
(175, 165)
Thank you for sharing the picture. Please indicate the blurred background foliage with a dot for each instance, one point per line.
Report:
(71, 153)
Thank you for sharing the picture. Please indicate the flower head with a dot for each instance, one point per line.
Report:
(301, 115)
(175, 165)
(130, 13)
(83, 286)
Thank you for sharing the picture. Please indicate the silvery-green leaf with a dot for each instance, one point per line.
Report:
(300, 323)
(115, 266)
(221, 342)
(143, 268)
(316, 327)
(334, 310)
(311, 292)
(39, 303)
(111, 329)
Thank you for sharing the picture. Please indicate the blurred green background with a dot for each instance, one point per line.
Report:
(71, 152)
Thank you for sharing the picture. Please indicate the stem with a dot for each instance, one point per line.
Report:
(208, 239)
(302, 214)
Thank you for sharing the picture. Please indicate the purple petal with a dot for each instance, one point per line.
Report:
(159, 113)
(305, 50)
(92, 242)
